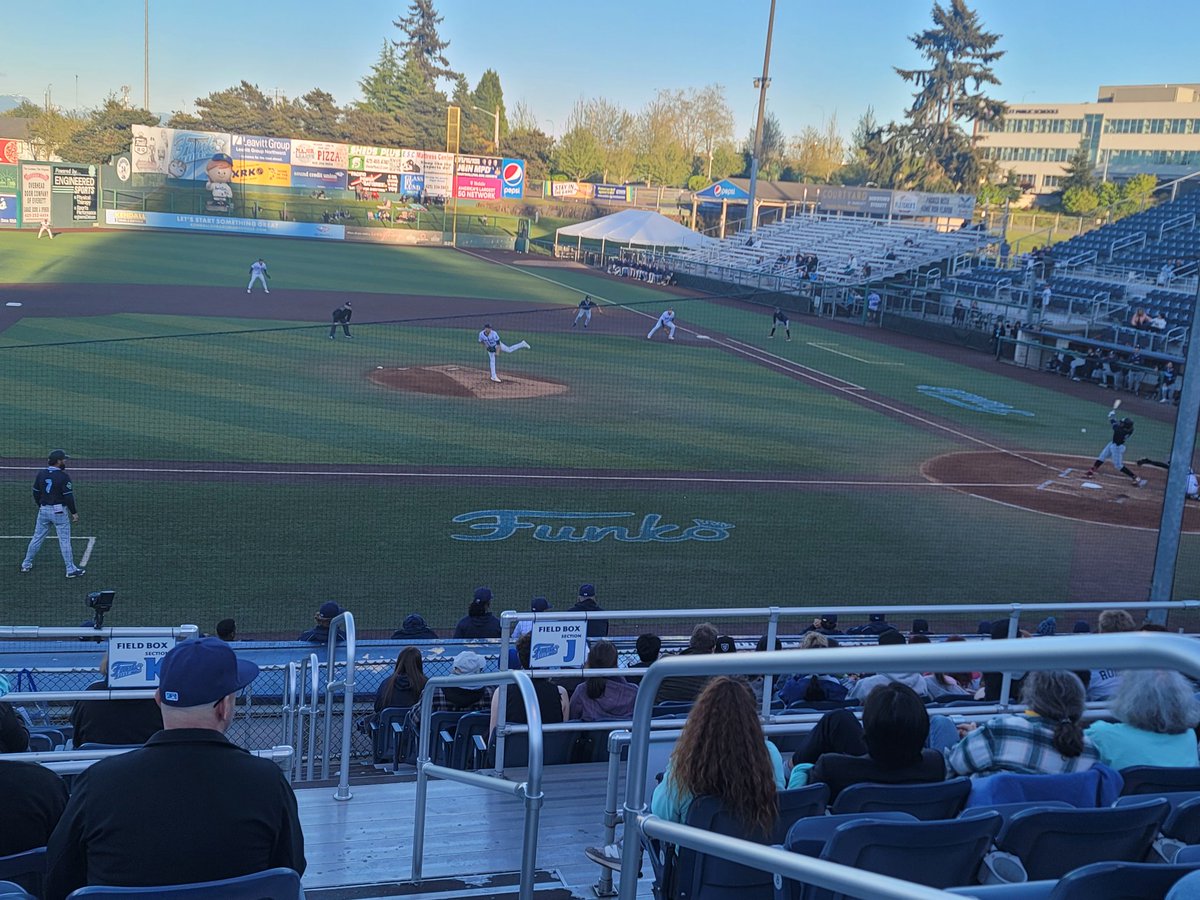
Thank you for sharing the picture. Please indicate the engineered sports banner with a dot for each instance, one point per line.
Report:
(82, 183)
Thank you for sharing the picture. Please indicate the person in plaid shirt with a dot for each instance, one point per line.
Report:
(457, 699)
(1047, 739)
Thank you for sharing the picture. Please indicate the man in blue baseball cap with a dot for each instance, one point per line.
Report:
(189, 805)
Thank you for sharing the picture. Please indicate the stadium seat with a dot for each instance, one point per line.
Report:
(10, 891)
(25, 869)
(1155, 779)
(1008, 810)
(1051, 843)
(91, 745)
(40, 743)
(1186, 888)
(1183, 820)
(939, 800)
(1120, 881)
(556, 749)
(383, 735)
(442, 726)
(278, 884)
(465, 752)
(797, 804)
(696, 876)
(941, 854)
(809, 836)
(1098, 786)
(57, 736)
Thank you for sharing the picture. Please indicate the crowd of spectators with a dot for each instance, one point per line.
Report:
(1124, 371)
(650, 272)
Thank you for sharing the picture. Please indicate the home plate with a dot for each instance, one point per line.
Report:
(12, 303)
(1092, 486)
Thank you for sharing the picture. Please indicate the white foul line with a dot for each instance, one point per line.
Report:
(869, 362)
(87, 551)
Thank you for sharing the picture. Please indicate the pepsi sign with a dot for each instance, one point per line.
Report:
(512, 178)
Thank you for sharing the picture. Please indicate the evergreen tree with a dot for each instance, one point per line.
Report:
(381, 86)
(107, 132)
(488, 95)
(422, 113)
(1078, 170)
(950, 93)
(423, 44)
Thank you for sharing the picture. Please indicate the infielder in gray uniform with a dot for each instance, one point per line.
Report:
(491, 342)
(1115, 449)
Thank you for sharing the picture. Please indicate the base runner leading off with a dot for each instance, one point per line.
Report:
(491, 342)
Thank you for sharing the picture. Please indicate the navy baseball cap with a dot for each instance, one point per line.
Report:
(329, 610)
(539, 604)
(587, 590)
(57, 455)
(483, 594)
(202, 671)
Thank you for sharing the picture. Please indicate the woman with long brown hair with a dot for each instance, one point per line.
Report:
(404, 686)
(722, 752)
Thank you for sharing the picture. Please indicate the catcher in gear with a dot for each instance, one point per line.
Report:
(1115, 449)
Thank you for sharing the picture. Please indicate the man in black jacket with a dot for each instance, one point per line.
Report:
(341, 316)
(113, 721)
(596, 628)
(189, 806)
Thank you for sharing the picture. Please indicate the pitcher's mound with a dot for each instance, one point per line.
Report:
(460, 381)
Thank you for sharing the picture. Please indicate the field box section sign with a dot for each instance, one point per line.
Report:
(134, 662)
(558, 645)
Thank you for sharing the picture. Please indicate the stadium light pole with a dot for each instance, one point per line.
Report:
(496, 128)
(146, 57)
(761, 84)
(1166, 551)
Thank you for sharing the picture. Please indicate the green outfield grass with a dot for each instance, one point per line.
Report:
(862, 526)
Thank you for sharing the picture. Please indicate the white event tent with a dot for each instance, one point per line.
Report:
(634, 228)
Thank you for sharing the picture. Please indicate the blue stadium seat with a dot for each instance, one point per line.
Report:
(10, 891)
(277, 884)
(1186, 888)
(470, 737)
(797, 804)
(40, 743)
(1098, 786)
(939, 800)
(556, 749)
(939, 854)
(1120, 881)
(25, 869)
(696, 876)
(1008, 810)
(1156, 779)
(385, 729)
(810, 835)
(1051, 843)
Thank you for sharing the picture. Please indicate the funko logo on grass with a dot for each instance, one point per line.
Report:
(501, 524)
(975, 403)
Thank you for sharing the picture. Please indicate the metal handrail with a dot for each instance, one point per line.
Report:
(72, 762)
(34, 632)
(530, 791)
(312, 668)
(346, 684)
(1124, 651)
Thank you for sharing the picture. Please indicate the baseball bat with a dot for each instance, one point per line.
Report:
(1117, 403)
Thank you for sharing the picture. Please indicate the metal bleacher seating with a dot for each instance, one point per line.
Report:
(940, 800)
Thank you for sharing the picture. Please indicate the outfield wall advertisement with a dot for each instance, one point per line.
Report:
(186, 222)
(9, 208)
(82, 184)
(283, 162)
(35, 192)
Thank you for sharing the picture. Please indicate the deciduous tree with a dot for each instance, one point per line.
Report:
(819, 152)
(106, 132)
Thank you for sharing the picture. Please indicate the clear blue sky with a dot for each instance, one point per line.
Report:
(827, 58)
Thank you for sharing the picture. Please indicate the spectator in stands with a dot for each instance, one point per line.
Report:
(1133, 372)
(915, 680)
(525, 626)
(14, 736)
(1047, 296)
(116, 829)
(723, 753)
(687, 689)
(893, 736)
(596, 628)
(1158, 322)
(414, 628)
(1047, 739)
(1156, 714)
(113, 721)
(1107, 370)
(602, 698)
(1165, 274)
(992, 682)
(1140, 320)
(648, 648)
(319, 633)
(809, 688)
(959, 317)
(227, 630)
(826, 624)
(1166, 383)
(404, 686)
(552, 700)
(464, 698)
(478, 623)
(877, 624)
(34, 800)
(951, 685)
(1104, 682)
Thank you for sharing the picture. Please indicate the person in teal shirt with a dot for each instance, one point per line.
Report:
(1157, 713)
(722, 752)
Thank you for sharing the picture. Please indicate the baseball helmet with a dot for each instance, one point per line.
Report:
(1127, 421)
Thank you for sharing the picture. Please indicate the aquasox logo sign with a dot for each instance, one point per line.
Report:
(545, 525)
(974, 402)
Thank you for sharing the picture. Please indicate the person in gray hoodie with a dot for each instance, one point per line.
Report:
(600, 699)
(914, 680)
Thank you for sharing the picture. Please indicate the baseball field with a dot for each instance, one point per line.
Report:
(230, 459)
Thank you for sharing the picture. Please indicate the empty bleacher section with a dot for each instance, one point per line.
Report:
(848, 251)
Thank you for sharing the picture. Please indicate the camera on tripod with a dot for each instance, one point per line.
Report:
(100, 602)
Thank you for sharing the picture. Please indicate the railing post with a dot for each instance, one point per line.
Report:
(604, 887)
(768, 678)
(502, 703)
(1014, 619)
(314, 669)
